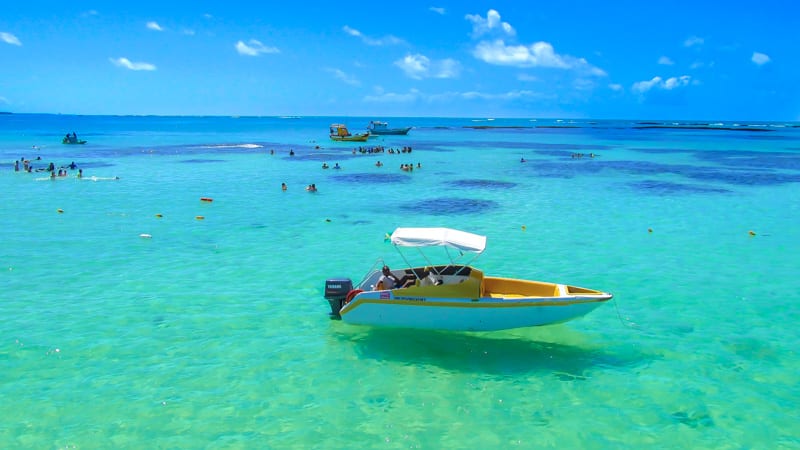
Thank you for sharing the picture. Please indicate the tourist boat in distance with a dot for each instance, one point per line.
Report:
(378, 127)
(71, 139)
(339, 132)
(454, 296)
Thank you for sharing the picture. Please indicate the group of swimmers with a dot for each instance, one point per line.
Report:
(70, 138)
(27, 166)
(574, 155)
(381, 149)
(310, 188)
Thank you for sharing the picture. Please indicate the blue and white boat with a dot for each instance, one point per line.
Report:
(454, 296)
(377, 127)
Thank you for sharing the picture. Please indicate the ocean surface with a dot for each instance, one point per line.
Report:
(213, 332)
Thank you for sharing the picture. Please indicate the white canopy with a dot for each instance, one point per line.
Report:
(429, 237)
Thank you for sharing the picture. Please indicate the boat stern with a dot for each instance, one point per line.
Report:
(336, 291)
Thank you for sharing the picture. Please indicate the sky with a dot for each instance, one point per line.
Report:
(682, 60)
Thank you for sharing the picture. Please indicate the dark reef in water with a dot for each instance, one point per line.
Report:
(492, 127)
(693, 419)
(482, 184)
(543, 147)
(742, 171)
(372, 178)
(450, 206)
(698, 127)
(666, 188)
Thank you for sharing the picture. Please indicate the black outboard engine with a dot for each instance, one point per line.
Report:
(336, 290)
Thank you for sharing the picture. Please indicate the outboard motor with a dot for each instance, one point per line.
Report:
(336, 290)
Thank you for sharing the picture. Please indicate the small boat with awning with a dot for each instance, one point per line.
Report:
(454, 295)
(339, 132)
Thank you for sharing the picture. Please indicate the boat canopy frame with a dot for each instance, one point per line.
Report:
(448, 238)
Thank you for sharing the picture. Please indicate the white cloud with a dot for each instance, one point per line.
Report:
(392, 97)
(188, 32)
(344, 77)
(254, 47)
(492, 22)
(584, 84)
(447, 68)
(386, 40)
(665, 61)
(673, 82)
(692, 41)
(351, 31)
(539, 54)
(415, 66)
(4, 100)
(526, 77)
(415, 95)
(615, 87)
(419, 66)
(660, 83)
(473, 95)
(437, 10)
(128, 64)
(760, 58)
(9, 38)
(154, 26)
(644, 86)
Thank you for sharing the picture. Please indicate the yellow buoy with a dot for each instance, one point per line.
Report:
(524, 228)
(159, 216)
(752, 233)
(199, 217)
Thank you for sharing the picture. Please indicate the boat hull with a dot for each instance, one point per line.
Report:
(391, 131)
(394, 309)
(353, 138)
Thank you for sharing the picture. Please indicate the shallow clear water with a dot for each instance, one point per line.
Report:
(214, 333)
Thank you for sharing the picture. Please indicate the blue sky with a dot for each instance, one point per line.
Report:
(698, 60)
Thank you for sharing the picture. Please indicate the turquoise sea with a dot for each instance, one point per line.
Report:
(214, 333)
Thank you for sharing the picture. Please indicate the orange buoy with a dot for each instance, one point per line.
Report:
(199, 217)
(159, 216)
(206, 199)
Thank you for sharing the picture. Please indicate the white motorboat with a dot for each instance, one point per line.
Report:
(454, 296)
